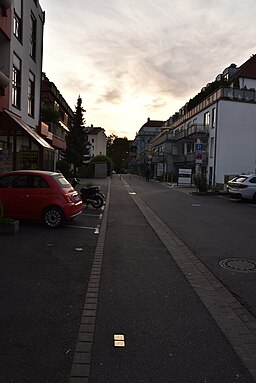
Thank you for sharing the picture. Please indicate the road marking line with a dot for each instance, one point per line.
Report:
(97, 230)
(82, 227)
(93, 215)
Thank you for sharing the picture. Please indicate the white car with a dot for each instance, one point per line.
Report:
(243, 186)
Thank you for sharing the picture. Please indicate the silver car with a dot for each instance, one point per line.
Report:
(243, 186)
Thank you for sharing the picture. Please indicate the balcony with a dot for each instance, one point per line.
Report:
(193, 131)
(180, 135)
(197, 130)
(5, 3)
(243, 95)
(4, 80)
(189, 158)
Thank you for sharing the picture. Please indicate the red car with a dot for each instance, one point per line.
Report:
(39, 195)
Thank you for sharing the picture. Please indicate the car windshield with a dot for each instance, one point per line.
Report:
(241, 179)
(62, 181)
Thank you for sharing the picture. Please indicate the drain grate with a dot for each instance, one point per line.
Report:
(240, 265)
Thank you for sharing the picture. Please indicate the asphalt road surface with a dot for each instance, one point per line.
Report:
(43, 281)
(51, 332)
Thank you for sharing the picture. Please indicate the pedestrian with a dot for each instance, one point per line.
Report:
(147, 174)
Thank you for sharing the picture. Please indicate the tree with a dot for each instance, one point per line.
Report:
(49, 114)
(76, 139)
(118, 151)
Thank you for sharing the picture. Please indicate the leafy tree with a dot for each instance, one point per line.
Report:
(76, 139)
(118, 151)
(49, 114)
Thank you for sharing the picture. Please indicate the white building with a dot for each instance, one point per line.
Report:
(21, 42)
(215, 133)
(97, 140)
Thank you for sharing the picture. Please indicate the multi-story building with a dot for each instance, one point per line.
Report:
(97, 141)
(57, 117)
(21, 42)
(215, 133)
(142, 156)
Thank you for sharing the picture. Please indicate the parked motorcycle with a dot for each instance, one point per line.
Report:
(90, 195)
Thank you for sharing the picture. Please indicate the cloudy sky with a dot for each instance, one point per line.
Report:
(134, 59)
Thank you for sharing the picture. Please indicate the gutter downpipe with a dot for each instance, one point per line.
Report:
(215, 145)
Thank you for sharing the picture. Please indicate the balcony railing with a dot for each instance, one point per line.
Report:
(197, 129)
(5, 3)
(244, 95)
(193, 130)
(190, 157)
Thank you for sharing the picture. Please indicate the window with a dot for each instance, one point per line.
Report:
(33, 36)
(20, 181)
(17, 26)
(39, 183)
(92, 140)
(213, 117)
(16, 82)
(31, 94)
(207, 119)
(212, 147)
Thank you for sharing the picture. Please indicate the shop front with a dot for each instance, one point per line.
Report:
(21, 147)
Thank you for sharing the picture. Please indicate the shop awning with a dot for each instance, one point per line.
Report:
(21, 125)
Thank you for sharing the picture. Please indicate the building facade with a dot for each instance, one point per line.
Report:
(214, 134)
(57, 117)
(21, 46)
(97, 141)
(217, 135)
(141, 157)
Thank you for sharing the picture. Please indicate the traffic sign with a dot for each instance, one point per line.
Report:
(199, 146)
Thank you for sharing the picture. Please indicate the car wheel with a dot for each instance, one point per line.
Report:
(53, 217)
(254, 198)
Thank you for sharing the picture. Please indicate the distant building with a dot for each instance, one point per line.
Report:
(97, 140)
(21, 40)
(141, 146)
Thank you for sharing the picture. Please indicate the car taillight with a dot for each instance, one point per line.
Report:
(242, 186)
(68, 198)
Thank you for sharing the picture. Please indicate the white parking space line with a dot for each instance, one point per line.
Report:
(92, 215)
(83, 227)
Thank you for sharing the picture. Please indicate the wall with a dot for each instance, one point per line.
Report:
(236, 139)
(28, 64)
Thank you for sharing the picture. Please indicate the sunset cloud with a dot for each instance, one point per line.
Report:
(157, 53)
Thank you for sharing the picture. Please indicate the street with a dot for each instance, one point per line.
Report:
(139, 269)
(214, 228)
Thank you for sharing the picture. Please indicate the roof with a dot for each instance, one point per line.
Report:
(94, 130)
(154, 123)
(248, 69)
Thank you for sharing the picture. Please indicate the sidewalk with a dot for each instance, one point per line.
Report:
(166, 333)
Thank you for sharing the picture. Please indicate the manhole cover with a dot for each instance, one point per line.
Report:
(237, 264)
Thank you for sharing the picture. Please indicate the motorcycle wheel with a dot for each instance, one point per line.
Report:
(97, 201)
